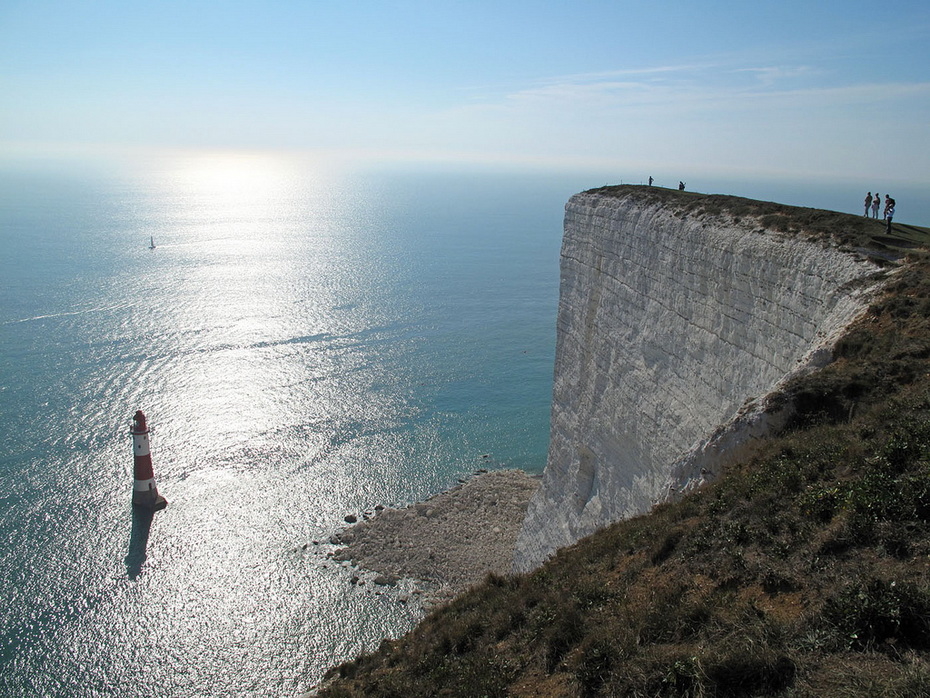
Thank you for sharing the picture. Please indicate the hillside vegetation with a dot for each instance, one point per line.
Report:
(802, 572)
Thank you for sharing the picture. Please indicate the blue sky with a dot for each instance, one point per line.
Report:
(837, 89)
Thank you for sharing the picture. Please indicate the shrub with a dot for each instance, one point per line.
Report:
(596, 658)
(750, 671)
(863, 616)
(563, 634)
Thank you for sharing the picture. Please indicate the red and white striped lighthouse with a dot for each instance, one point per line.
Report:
(144, 492)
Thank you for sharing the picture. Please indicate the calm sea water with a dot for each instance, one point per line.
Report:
(306, 343)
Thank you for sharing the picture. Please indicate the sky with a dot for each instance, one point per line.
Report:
(830, 88)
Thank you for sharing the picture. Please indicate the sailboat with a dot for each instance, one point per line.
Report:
(151, 242)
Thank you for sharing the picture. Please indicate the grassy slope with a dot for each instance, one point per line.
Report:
(802, 572)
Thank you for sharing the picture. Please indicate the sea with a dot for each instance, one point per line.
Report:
(307, 340)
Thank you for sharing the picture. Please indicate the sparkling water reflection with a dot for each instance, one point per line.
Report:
(306, 344)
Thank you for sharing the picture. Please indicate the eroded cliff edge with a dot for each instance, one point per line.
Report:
(673, 327)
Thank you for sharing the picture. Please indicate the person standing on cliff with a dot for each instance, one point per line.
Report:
(868, 204)
(875, 202)
(681, 186)
(650, 180)
(889, 211)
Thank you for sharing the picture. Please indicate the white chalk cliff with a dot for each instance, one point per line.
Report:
(672, 329)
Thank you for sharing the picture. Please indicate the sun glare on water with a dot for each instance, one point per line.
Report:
(232, 173)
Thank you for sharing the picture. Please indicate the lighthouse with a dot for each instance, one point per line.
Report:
(144, 492)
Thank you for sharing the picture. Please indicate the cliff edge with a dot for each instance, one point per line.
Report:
(803, 569)
(675, 322)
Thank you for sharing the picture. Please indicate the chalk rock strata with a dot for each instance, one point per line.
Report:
(671, 329)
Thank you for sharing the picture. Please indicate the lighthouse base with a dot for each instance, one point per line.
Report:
(149, 499)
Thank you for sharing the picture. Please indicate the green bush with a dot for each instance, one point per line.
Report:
(865, 615)
(595, 660)
(750, 671)
(562, 634)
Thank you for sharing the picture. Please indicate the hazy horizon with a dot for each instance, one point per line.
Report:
(833, 90)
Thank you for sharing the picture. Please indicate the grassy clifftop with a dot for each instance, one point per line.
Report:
(840, 229)
(802, 572)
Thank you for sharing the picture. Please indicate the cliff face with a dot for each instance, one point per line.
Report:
(672, 328)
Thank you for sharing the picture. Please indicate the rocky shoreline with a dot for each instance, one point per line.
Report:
(447, 543)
